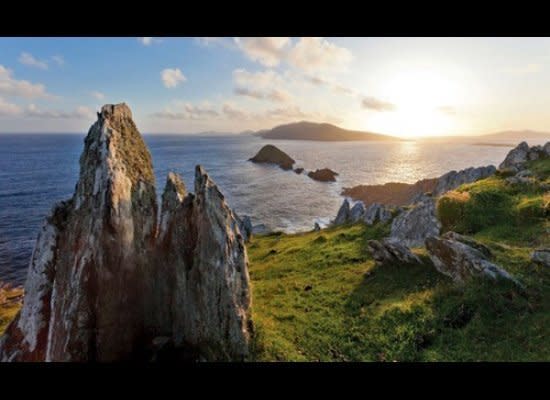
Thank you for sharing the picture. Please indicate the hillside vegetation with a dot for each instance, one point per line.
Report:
(319, 295)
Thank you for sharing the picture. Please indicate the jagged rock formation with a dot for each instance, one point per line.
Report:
(272, 155)
(316, 227)
(541, 256)
(344, 214)
(414, 225)
(104, 279)
(461, 261)
(357, 212)
(377, 212)
(323, 175)
(522, 153)
(388, 252)
(453, 179)
(245, 226)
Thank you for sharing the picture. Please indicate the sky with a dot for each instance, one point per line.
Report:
(407, 87)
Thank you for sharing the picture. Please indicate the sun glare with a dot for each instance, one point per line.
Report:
(423, 100)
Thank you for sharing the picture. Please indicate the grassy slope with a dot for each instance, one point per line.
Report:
(355, 311)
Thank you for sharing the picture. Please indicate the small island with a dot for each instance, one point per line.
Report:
(270, 154)
(323, 175)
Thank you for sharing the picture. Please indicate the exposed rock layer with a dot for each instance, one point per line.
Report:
(388, 252)
(104, 279)
(414, 225)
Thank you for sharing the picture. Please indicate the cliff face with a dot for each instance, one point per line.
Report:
(104, 279)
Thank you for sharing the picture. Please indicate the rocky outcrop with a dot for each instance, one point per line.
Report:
(344, 214)
(245, 226)
(357, 212)
(376, 213)
(272, 155)
(105, 279)
(453, 179)
(413, 226)
(388, 252)
(323, 175)
(316, 227)
(299, 170)
(461, 261)
(518, 156)
(541, 257)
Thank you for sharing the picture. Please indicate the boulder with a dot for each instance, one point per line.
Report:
(413, 226)
(323, 175)
(388, 252)
(344, 214)
(272, 155)
(299, 170)
(357, 212)
(376, 213)
(461, 261)
(541, 256)
(516, 156)
(316, 227)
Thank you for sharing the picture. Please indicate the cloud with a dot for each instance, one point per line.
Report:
(8, 109)
(315, 54)
(97, 95)
(526, 69)
(29, 60)
(187, 111)
(148, 41)
(260, 85)
(292, 112)
(233, 112)
(268, 51)
(81, 112)
(207, 41)
(372, 103)
(172, 77)
(59, 60)
(9, 86)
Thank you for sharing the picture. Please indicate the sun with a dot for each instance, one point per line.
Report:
(423, 98)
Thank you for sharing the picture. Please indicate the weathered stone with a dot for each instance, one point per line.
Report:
(469, 242)
(316, 227)
(546, 149)
(299, 170)
(388, 252)
(461, 262)
(414, 225)
(541, 256)
(376, 213)
(516, 156)
(344, 214)
(357, 212)
(453, 179)
(104, 279)
(245, 226)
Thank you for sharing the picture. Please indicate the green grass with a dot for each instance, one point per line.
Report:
(318, 296)
(9, 305)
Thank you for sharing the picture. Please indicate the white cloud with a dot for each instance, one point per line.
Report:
(268, 51)
(8, 109)
(29, 60)
(207, 41)
(9, 86)
(187, 111)
(172, 77)
(335, 87)
(233, 112)
(372, 103)
(260, 85)
(59, 60)
(97, 95)
(314, 54)
(81, 112)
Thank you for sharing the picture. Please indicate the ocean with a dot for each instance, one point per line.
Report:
(36, 170)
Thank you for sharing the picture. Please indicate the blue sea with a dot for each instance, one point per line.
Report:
(36, 170)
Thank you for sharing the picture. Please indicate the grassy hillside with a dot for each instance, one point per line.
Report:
(319, 296)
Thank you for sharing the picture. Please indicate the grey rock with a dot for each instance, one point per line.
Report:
(414, 225)
(524, 173)
(453, 179)
(344, 214)
(316, 227)
(546, 149)
(461, 262)
(388, 252)
(245, 226)
(376, 213)
(468, 241)
(541, 256)
(516, 156)
(357, 212)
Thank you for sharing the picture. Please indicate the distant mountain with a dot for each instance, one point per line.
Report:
(517, 135)
(315, 131)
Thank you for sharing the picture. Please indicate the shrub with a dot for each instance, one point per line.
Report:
(487, 208)
(450, 211)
